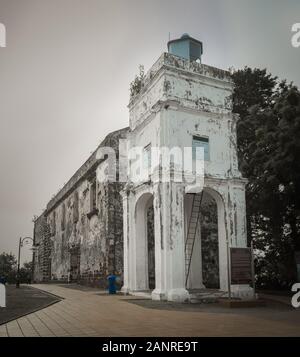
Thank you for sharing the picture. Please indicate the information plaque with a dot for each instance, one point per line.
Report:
(241, 265)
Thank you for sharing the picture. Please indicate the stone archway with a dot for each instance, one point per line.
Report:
(208, 262)
(151, 247)
(144, 243)
(209, 242)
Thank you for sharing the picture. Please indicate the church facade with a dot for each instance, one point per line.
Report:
(166, 233)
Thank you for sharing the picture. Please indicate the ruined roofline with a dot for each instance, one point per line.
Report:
(38, 219)
(83, 171)
(173, 62)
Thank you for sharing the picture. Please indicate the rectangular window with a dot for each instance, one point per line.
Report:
(93, 199)
(200, 142)
(76, 207)
(63, 216)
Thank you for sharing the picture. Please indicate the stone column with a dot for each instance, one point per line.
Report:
(170, 270)
(237, 228)
(223, 235)
(125, 288)
(159, 293)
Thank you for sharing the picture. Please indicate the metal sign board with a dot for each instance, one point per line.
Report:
(241, 265)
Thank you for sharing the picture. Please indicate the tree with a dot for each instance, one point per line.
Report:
(268, 148)
(8, 265)
(26, 273)
(254, 88)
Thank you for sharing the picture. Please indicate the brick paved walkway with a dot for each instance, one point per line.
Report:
(93, 313)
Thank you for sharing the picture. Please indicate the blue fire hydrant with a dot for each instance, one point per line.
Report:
(112, 284)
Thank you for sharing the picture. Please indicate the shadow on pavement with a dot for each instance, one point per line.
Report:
(23, 301)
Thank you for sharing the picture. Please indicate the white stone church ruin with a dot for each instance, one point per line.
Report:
(167, 238)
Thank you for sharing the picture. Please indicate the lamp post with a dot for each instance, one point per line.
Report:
(21, 241)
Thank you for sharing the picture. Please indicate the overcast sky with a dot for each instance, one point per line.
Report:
(65, 74)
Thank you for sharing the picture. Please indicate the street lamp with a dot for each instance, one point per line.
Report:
(21, 242)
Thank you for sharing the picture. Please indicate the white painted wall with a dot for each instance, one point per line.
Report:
(181, 99)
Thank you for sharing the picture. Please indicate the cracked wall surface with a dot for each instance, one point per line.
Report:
(42, 254)
(83, 227)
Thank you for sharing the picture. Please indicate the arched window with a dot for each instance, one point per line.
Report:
(76, 207)
(63, 216)
(93, 196)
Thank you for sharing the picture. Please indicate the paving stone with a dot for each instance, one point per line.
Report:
(89, 314)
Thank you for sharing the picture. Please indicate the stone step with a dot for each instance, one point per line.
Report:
(203, 300)
(146, 294)
(206, 297)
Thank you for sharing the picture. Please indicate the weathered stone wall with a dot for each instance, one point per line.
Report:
(195, 86)
(41, 256)
(85, 225)
(115, 229)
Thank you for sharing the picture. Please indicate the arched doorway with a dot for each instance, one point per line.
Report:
(202, 238)
(144, 243)
(209, 242)
(151, 247)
